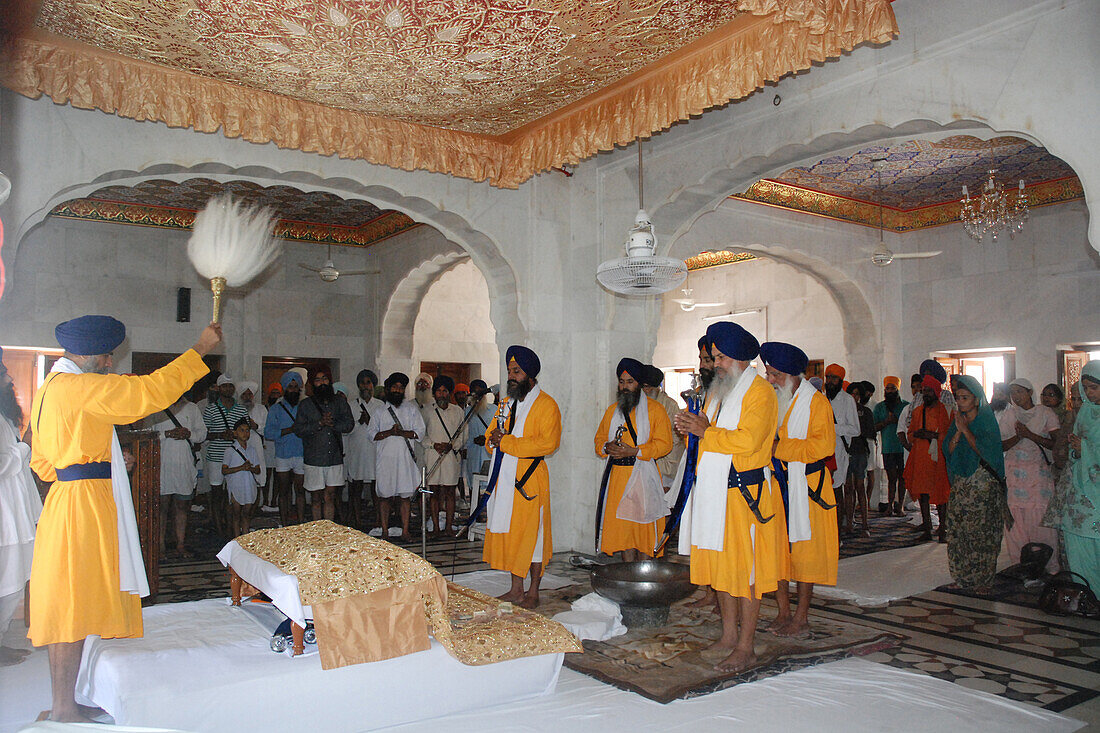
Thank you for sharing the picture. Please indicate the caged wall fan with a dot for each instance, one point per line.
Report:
(882, 256)
(328, 271)
(641, 272)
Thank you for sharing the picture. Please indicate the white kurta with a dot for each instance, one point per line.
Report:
(20, 506)
(177, 466)
(258, 415)
(359, 447)
(438, 431)
(847, 427)
(396, 473)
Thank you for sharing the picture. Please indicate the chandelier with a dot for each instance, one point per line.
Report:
(993, 209)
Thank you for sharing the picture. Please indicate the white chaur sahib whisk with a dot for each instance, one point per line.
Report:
(231, 243)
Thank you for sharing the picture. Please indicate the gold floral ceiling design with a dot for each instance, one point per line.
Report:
(317, 217)
(919, 183)
(493, 90)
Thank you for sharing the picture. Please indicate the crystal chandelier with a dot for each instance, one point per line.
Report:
(993, 210)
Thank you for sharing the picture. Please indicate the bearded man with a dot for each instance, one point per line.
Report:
(220, 416)
(359, 458)
(926, 469)
(289, 468)
(729, 525)
(87, 576)
(443, 440)
(634, 432)
(396, 429)
(518, 536)
(20, 506)
(652, 379)
(846, 422)
(886, 416)
(806, 438)
(321, 422)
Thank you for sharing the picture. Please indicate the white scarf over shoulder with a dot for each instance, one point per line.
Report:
(500, 503)
(643, 497)
(798, 488)
(703, 523)
(131, 567)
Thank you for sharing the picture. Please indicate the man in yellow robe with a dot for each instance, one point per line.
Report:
(646, 435)
(730, 528)
(806, 438)
(82, 583)
(524, 432)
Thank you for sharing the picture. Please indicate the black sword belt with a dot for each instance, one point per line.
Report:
(817, 467)
(628, 461)
(742, 480)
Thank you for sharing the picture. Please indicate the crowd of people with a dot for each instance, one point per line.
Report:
(759, 478)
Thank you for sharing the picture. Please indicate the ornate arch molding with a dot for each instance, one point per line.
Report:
(476, 245)
(404, 305)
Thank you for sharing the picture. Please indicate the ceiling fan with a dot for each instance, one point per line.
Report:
(882, 256)
(328, 271)
(688, 303)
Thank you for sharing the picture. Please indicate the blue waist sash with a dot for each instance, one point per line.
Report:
(84, 471)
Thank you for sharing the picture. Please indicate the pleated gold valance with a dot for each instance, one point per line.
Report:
(766, 40)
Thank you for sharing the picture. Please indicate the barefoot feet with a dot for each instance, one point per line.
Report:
(738, 661)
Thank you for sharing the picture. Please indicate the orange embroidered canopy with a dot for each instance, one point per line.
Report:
(494, 90)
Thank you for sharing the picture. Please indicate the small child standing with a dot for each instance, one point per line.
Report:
(241, 469)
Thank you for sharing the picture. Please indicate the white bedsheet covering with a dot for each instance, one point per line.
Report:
(207, 666)
(280, 587)
(848, 696)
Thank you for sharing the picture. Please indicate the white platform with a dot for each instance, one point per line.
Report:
(207, 666)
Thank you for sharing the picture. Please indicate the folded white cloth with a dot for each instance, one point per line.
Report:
(593, 617)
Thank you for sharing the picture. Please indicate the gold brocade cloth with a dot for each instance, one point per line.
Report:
(373, 600)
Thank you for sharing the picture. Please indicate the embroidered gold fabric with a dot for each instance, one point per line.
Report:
(334, 563)
(424, 84)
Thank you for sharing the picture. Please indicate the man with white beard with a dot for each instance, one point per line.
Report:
(846, 424)
(806, 437)
(398, 427)
(729, 525)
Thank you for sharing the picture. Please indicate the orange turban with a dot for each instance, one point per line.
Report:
(887, 381)
(274, 387)
(845, 384)
(460, 387)
(835, 370)
(933, 383)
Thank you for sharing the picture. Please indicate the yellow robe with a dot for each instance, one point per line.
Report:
(750, 564)
(620, 534)
(513, 550)
(814, 560)
(74, 574)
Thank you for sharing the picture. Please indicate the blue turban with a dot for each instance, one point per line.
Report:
(934, 369)
(443, 381)
(479, 384)
(703, 344)
(652, 377)
(90, 335)
(289, 377)
(787, 358)
(528, 360)
(733, 341)
(368, 374)
(395, 378)
(633, 367)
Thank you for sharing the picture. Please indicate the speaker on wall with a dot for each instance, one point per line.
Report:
(183, 305)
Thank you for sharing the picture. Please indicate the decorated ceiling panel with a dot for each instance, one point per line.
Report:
(920, 181)
(485, 66)
(317, 216)
(495, 90)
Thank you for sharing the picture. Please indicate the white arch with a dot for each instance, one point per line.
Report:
(404, 305)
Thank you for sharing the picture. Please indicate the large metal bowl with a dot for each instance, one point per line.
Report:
(646, 584)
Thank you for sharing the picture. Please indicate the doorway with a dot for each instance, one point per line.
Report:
(988, 366)
(458, 371)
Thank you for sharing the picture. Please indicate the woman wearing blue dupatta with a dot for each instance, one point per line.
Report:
(978, 508)
(1081, 516)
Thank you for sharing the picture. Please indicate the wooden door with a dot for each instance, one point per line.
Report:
(1072, 363)
(455, 370)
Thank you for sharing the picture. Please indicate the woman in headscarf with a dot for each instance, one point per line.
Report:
(1081, 518)
(977, 511)
(1062, 468)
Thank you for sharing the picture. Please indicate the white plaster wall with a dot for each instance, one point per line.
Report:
(453, 323)
(798, 310)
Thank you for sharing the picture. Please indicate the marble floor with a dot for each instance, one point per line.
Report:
(1007, 649)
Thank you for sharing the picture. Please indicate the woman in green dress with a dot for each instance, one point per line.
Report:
(977, 511)
(1081, 515)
